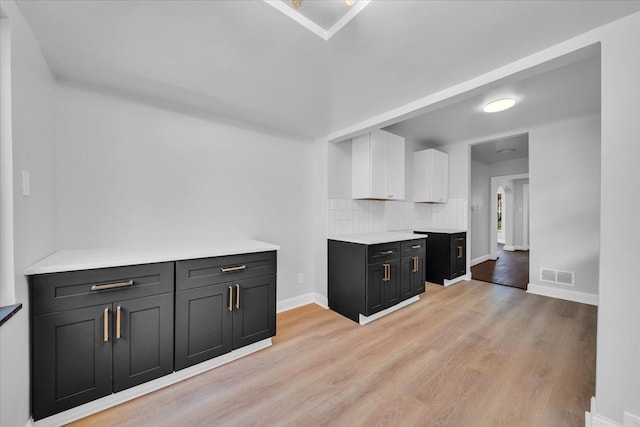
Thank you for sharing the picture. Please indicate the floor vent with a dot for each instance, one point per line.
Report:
(556, 276)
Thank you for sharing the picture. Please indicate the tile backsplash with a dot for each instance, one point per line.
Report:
(348, 216)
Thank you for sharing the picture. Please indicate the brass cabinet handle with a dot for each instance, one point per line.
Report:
(106, 325)
(229, 269)
(385, 252)
(118, 322)
(415, 264)
(237, 296)
(112, 285)
(230, 306)
(384, 275)
(416, 246)
(459, 251)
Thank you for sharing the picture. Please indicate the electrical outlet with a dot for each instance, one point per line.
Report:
(300, 278)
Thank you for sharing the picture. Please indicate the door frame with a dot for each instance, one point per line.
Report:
(493, 215)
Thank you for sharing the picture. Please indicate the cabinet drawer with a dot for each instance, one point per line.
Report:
(74, 289)
(413, 247)
(383, 251)
(208, 271)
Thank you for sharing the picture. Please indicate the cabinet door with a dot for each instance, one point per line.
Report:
(392, 292)
(412, 276)
(203, 324)
(439, 176)
(460, 264)
(143, 348)
(71, 359)
(394, 167)
(375, 292)
(254, 310)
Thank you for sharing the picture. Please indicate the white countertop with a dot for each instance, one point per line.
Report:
(441, 230)
(85, 259)
(374, 238)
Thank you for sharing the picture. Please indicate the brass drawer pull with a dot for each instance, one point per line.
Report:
(459, 251)
(230, 269)
(385, 252)
(118, 322)
(230, 306)
(112, 285)
(106, 325)
(416, 246)
(415, 264)
(237, 296)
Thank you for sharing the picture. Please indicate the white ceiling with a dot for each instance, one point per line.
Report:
(246, 61)
(569, 91)
(325, 13)
(489, 152)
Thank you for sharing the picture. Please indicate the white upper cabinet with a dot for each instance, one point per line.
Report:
(377, 170)
(430, 176)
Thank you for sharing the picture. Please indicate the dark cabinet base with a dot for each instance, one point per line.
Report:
(446, 256)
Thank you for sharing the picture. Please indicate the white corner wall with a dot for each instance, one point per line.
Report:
(129, 172)
(480, 209)
(34, 216)
(564, 173)
(618, 348)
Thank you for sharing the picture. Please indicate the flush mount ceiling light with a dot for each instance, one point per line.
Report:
(507, 151)
(499, 105)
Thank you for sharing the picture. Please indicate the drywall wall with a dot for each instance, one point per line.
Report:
(480, 209)
(129, 172)
(510, 167)
(517, 212)
(564, 162)
(34, 216)
(618, 348)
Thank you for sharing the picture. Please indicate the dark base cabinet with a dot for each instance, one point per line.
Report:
(446, 256)
(216, 311)
(366, 279)
(81, 353)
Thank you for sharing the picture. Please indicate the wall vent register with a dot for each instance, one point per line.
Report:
(558, 277)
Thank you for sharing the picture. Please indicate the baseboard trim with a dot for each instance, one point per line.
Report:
(368, 319)
(509, 248)
(548, 291)
(631, 420)
(151, 386)
(592, 419)
(480, 259)
(300, 300)
(457, 280)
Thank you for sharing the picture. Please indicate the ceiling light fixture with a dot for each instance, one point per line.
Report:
(507, 151)
(296, 3)
(499, 105)
(350, 2)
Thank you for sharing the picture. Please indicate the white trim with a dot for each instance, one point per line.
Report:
(512, 248)
(355, 9)
(7, 278)
(592, 419)
(457, 279)
(631, 420)
(29, 423)
(368, 319)
(553, 292)
(493, 218)
(312, 26)
(300, 300)
(142, 389)
(480, 259)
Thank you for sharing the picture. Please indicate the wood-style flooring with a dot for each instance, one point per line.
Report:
(472, 354)
(510, 269)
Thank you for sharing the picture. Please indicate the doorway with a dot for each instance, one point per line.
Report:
(499, 225)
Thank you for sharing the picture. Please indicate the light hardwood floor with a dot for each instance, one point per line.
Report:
(473, 354)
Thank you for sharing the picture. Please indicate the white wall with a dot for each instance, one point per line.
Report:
(564, 162)
(34, 216)
(618, 370)
(517, 212)
(480, 209)
(129, 172)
